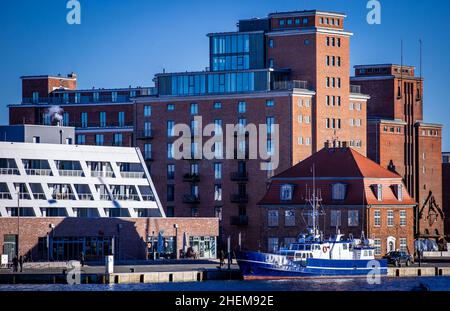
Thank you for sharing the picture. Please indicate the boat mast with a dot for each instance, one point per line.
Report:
(314, 202)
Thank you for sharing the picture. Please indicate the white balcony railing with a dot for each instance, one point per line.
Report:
(9, 171)
(102, 174)
(64, 196)
(132, 174)
(5, 196)
(38, 172)
(39, 196)
(148, 197)
(70, 173)
(85, 196)
(126, 197)
(105, 197)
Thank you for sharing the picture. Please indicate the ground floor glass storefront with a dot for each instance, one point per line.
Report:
(205, 247)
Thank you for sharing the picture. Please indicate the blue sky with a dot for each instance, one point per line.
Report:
(122, 43)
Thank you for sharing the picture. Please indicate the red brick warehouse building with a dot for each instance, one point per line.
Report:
(356, 195)
(255, 75)
(399, 139)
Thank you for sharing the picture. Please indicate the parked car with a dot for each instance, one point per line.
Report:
(397, 258)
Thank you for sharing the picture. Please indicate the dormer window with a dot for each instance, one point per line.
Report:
(286, 192)
(398, 190)
(338, 192)
(378, 191)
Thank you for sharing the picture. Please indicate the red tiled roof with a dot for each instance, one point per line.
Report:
(337, 162)
(338, 165)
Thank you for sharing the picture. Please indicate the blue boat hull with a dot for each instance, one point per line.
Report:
(255, 265)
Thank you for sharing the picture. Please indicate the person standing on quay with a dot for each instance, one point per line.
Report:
(21, 263)
(222, 258)
(15, 263)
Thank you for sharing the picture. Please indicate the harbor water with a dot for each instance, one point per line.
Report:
(345, 284)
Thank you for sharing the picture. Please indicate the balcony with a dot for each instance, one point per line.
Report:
(71, 173)
(191, 177)
(191, 198)
(239, 176)
(38, 172)
(126, 197)
(64, 196)
(60, 100)
(85, 197)
(239, 198)
(105, 197)
(102, 174)
(147, 134)
(9, 171)
(24, 196)
(241, 220)
(96, 125)
(290, 85)
(136, 175)
(355, 89)
(5, 196)
(39, 196)
(148, 197)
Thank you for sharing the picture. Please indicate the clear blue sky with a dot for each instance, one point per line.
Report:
(122, 43)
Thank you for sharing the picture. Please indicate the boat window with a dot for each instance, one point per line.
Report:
(300, 247)
(344, 246)
(365, 253)
(307, 247)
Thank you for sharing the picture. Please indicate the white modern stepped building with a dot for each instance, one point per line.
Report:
(54, 180)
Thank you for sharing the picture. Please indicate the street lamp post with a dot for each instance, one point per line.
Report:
(177, 256)
(18, 221)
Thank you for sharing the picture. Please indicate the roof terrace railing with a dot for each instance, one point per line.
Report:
(290, 85)
(356, 89)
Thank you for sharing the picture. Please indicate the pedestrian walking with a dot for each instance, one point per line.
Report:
(21, 263)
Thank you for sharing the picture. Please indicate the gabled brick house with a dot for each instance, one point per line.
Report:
(356, 195)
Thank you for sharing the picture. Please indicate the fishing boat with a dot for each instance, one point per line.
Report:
(312, 255)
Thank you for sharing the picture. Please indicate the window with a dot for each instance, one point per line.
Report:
(147, 111)
(102, 119)
(118, 139)
(286, 192)
(170, 171)
(170, 107)
(338, 42)
(217, 105)
(353, 218)
(242, 107)
(390, 218)
(218, 192)
(81, 139)
(218, 170)
(170, 192)
(35, 97)
(300, 140)
(99, 139)
(300, 119)
(147, 151)
(377, 246)
(271, 63)
(306, 119)
(113, 97)
(84, 119)
(402, 218)
(271, 43)
(305, 21)
(121, 118)
(270, 121)
(147, 129)
(133, 93)
(194, 212)
(272, 244)
(65, 120)
(77, 98)
(378, 192)
(338, 192)
(281, 22)
(170, 151)
(194, 109)
(377, 218)
(335, 218)
(270, 103)
(218, 212)
(170, 126)
(307, 141)
(272, 218)
(289, 21)
(66, 97)
(399, 192)
(307, 103)
(403, 245)
(96, 97)
(170, 211)
(289, 218)
(352, 106)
